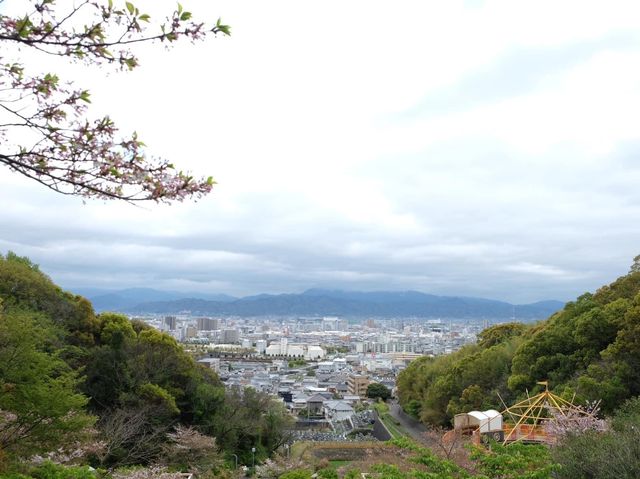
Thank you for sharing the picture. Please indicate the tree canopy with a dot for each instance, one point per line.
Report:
(69, 376)
(589, 349)
(46, 131)
(377, 390)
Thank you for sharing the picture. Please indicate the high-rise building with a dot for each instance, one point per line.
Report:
(208, 324)
(170, 323)
(191, 332)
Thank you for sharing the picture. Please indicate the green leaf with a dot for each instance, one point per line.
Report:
(179, 8)
(84, 96)
(110, 4)
(226, 29)
(144, 17)
(185, 16)
(24, 27)
(131, 63)
(130, 8)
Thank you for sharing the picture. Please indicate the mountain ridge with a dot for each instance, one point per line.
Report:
(344, 303)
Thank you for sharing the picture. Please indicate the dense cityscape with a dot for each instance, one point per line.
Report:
(319, 367)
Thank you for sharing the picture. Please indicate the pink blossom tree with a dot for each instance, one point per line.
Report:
(46, 132)
(579, 420)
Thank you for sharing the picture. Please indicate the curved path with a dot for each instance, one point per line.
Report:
(414, 427)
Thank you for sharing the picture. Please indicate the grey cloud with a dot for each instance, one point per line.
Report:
(518, 72)
(468, 252)
(490, 221)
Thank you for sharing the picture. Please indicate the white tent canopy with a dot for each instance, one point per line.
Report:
(486, 421)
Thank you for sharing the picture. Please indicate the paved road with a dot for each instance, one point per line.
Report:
(415, 428)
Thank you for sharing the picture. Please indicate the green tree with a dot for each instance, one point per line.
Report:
(248, 418)
(140, 383)
(500, 333)
(378, 391)
(23, 286)
(47, 134)
(39, 406)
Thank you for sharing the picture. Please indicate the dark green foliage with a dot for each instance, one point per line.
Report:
(23, 286)
(500, 334)
(58, 359)
(378, 391)
(591, 349)
(246, 418)
(465, 380)
(40, 408)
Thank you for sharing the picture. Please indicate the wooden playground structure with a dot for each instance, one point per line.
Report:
(525, 421)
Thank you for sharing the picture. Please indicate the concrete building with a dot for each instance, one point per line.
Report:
(284, 348)
(338, 410)
(230, 336)
(212, 363)
(326, 367)
(261, 346)
(314, 352)
(333, 324)
(208, 324)
(357, 385)
(188, 332)
(171, 322)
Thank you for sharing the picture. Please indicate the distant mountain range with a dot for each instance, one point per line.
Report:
(319, 302)
(128, 299)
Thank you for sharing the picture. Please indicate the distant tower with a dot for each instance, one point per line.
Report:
(170, 322)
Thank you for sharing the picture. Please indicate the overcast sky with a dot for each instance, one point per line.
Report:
(462, 148)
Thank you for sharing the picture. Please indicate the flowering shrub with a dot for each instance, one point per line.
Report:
(45, 133)
(575, 421)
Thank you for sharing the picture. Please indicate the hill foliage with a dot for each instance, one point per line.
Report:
(74, 383)
(590, 349)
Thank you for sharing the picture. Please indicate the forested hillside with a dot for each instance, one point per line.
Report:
(591, 349)
(112, 391)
